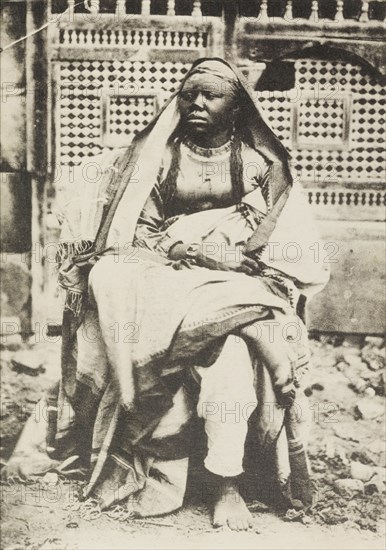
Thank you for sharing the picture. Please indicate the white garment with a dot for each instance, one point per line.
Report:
(227, 400)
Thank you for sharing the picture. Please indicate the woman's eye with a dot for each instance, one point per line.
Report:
(211, 95)
(186, 96)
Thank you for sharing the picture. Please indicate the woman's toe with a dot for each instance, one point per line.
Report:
(243, 526)
(233, 524)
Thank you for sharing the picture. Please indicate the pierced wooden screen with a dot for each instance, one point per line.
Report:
(333, 120)
(84, 125)
(123, 114)
(321, 123)
(351, 148)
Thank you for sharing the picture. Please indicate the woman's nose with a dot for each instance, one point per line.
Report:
(199, 101)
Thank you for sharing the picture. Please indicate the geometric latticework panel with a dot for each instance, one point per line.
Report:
(318, 122)
(79, 105)
(324, 160)
(330, 99)
(123, 114)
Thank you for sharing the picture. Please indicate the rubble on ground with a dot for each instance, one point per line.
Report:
(348, 457)
(347, 440)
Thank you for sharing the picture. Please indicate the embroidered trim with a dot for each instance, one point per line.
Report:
(288, 284)
(251, 216)
(210, 151)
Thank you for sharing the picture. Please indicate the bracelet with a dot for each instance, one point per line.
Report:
(192, 252)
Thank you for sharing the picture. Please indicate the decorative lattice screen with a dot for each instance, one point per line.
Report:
(322, 90)
(124, 113)
(84, 85)
(321, 123)
(334, 143)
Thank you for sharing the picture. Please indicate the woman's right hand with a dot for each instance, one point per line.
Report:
(285, 396)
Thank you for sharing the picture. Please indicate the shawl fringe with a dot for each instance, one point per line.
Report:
(75, 295)
(74, 301)
(70, 249)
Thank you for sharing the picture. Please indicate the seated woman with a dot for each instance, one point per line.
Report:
(190, 302)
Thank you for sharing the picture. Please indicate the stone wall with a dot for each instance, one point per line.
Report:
(14, 179)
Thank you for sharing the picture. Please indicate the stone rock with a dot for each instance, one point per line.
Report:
(359, 385)
(368, 409)
(377, 383)
(341, 365)
(373, 357)
(357, 373)
(51, 478)
(376, 341)
(294, 514)
(369, 392)
(329, 340)
(374, 485)
(363, 456)
(361, 471)
(375, 364)
(381, 472)
(330, 448)
(377, 446)
(341, 453)
(349, 487)
(306, 520)
(353, 341)
(347, 431)
(341, 353)
(258, 506)
(317, 386)
(72, 525)
(352, 360)
(27, 362)
(333, 450)
(364, 371)
(382, 384)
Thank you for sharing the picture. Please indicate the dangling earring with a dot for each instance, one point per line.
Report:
(234, 125)
(233, 130)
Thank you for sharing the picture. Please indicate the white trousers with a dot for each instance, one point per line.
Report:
(227, 400)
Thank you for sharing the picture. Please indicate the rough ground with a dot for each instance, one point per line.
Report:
(347, 452)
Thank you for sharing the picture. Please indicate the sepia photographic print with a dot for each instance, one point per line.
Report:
(193, 274)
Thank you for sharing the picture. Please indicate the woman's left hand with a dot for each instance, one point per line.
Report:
(218, 258)
(228, 260)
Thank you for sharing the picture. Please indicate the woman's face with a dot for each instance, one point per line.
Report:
(207, 104)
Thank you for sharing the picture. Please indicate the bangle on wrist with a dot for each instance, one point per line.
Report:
(192, 252)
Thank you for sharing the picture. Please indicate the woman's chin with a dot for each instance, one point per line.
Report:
(197, 128)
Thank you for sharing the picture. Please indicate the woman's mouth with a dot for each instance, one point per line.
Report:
(196, 118)
(197, 122)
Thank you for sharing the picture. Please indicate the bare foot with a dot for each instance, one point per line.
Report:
(230, 508)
